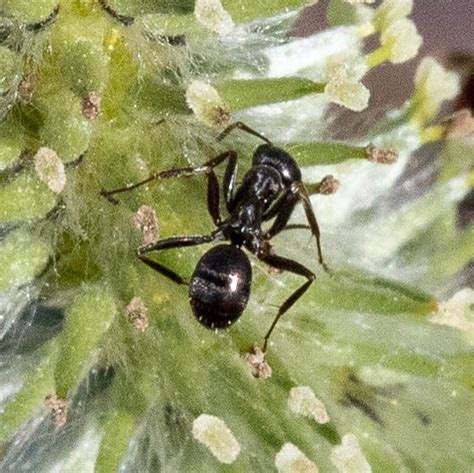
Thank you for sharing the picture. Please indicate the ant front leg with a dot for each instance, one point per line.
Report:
(231, 170)
(189, 171)
(283, 210)
(171, 243)
(311, 217)
(285, 264)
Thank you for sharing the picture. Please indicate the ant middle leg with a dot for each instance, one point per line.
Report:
(171, 243)
(294, 267)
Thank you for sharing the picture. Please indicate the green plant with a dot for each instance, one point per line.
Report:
(360, 374)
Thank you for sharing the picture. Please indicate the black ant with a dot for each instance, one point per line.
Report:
(220, 285)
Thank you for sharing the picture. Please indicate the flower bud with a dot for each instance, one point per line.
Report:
(50, 169)
(390, 11)
(433, 85)
(457, 312)
(343, 87)
(291, 459)
(401, 41)
(349, 457)
(215, 435)
(302, 401)
(212, 15)
(207, 104)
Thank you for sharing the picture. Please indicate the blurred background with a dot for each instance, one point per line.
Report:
(448, 35)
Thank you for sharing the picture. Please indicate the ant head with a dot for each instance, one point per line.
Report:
(278, 159)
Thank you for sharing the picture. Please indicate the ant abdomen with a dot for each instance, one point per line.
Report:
(220, 286)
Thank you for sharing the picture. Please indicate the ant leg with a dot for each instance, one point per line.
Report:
(163, 270)
(276, 207)
(213, 197)
(170, 243)
(294, 267)
(229, 182)
(283, 207)
(125, 20)
(243, 127)
(313, 223)
(283, 210)
(178, 242)
(175, 172)
(296, 226)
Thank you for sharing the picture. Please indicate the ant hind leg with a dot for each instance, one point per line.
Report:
(294, 267)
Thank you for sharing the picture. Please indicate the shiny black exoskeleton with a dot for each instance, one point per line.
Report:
(220, 285)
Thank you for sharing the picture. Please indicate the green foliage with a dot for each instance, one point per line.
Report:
(25, 198)
(241, 94)
(325, 153)
(11, 145)
(140, 7)
(26, 11)
(83, 64)
(89, 317)
(341, 13)
(32, 395)
(65, 128)
(7, 68)
(22, 257)
(248, 10)
(118, 430)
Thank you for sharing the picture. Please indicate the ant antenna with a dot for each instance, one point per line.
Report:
(243, 127)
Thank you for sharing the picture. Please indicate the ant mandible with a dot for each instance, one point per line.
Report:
(220, 285)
